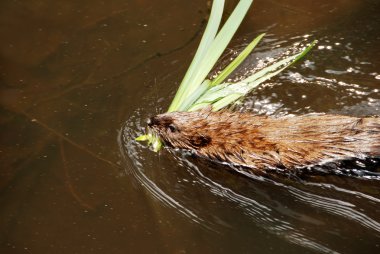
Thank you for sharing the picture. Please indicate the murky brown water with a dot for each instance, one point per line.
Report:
(79, 78)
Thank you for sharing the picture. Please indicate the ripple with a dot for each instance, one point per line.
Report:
(135, 164)
(253, 199)
(342, 206)
(337, 207)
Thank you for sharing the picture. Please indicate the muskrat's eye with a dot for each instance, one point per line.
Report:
(172, 128)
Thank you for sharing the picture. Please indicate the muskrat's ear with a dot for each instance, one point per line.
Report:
(200, 141)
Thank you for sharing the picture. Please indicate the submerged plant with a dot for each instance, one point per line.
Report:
(196, 91)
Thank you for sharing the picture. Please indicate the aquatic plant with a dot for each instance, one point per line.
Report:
(196, 91)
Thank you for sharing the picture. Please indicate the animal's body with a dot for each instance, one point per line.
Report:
(261, 142)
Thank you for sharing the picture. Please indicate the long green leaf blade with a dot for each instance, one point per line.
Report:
(206, 41)
(287, 61)
(226, 101)
(190, 99)
(221, 91)
(220, 43)
(237, 61)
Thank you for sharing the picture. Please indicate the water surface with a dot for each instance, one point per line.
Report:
(78, 81)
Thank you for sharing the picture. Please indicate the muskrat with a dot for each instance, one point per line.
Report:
(262, 142)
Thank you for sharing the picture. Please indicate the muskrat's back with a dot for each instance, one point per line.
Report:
(261, 142)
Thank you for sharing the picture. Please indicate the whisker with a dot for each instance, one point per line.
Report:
(156, 91)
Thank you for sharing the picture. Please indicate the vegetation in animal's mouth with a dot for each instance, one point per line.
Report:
(196, 91)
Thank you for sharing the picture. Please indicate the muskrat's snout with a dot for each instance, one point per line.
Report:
(149, 122)
(152, 121)
(162, 123)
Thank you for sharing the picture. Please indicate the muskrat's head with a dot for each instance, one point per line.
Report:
(186, 130)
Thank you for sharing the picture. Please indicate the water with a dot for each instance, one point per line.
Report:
(80, 78)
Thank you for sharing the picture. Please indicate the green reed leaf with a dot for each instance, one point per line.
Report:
(195, 95)
(225, 101)
(212, 54)
(142, 138)
(237, 61)
(208, 37)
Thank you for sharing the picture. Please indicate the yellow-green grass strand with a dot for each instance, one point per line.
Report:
(221, 91)
(207, 39)
(195, 95)
(218, 105)
(142, 138)
(220, 43)
(287, 61)
(237, 61)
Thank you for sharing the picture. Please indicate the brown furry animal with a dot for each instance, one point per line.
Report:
(260, 142)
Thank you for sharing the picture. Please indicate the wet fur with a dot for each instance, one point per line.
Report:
(261, 142)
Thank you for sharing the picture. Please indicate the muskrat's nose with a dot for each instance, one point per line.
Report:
(151, 121)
